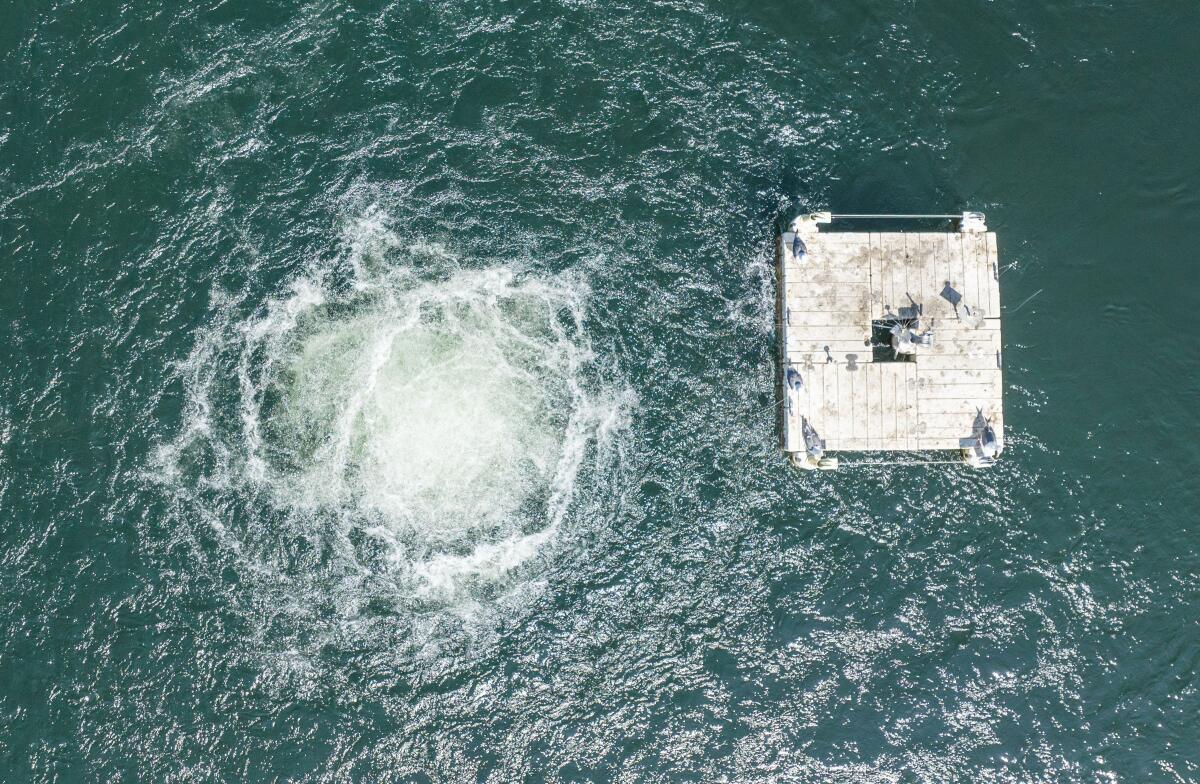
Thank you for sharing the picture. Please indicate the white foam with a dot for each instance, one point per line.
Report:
(441, 411)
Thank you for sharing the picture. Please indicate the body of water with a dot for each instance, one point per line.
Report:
(387, 394)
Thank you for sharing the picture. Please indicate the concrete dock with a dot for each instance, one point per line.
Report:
(889, 341)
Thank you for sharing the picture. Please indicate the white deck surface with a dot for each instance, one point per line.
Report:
(828, 303)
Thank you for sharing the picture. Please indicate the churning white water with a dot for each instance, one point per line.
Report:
(443, 412)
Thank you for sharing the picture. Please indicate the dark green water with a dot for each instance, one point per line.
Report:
(386, 395)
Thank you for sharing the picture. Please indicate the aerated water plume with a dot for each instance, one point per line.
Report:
(425, 421)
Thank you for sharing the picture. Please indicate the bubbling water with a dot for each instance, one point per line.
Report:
(442, 413)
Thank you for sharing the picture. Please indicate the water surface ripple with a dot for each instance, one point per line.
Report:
(386, 394)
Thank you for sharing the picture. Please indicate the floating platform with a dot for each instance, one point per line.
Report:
(890, 341)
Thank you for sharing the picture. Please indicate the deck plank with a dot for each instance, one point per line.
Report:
(874, 403)
(993, 276)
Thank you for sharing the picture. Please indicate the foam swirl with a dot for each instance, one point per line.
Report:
(442, 412)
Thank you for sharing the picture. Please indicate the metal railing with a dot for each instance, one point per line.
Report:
(957, 216)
